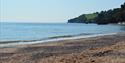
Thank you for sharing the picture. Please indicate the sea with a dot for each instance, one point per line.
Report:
(33, 32)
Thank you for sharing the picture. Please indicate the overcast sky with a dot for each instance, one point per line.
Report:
(51, 10)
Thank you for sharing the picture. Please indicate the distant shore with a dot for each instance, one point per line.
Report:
(98, 49)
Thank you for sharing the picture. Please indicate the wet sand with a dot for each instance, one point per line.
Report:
(101, 49)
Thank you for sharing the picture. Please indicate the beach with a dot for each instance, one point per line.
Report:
(99, 49)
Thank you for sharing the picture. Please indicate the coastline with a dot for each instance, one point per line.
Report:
(99, 49)
(51, 39)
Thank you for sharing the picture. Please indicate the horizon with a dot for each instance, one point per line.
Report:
(46, 11)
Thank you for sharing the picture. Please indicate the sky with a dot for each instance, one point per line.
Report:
(51, 11)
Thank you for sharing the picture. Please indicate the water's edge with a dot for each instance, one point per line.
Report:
(48, 38)
(51, 39)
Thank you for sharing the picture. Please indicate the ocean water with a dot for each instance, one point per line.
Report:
(17, 32)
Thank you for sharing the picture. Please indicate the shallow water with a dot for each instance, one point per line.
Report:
(39, 31)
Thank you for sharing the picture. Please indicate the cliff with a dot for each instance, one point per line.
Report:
(115, 15)
(84, 18)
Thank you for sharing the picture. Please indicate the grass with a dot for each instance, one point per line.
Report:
(91, 16)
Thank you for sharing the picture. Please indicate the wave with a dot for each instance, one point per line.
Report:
(50, 39)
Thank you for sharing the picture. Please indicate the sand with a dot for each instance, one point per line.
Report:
(101, 49)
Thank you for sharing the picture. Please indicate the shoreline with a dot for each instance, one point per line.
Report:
(100, 49)
(60, 38)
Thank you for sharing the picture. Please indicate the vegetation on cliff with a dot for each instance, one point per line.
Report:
(104, 17)
(85, 18)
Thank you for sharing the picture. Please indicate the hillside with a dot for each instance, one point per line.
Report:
(91, 17)
(115, 15)
(85, 18)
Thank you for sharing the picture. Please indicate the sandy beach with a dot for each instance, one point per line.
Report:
(100, 49)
